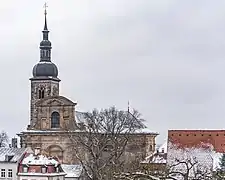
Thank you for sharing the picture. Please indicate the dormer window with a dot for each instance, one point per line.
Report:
(25, 169)
(57, 169)
(43, 169)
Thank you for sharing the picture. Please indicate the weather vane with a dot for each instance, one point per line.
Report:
(45, 6)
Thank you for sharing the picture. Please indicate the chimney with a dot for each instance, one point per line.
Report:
(157, 151)
(37, 151)
(14, 142)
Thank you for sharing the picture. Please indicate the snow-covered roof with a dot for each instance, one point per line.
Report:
(80, 118)
(145, 131)
(15, 153)
(39, 160)
(72, 170)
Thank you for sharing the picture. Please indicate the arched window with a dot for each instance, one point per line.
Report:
(41, 93)
(55, 120)
(55, 151)
(150, 148)
(42, 53)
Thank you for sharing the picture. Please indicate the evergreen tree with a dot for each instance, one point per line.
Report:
(222, 163)
(220, 172)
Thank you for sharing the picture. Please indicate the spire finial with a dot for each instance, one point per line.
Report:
(45, 7)
(128, 107)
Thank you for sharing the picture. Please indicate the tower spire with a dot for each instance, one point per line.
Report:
(45, 26)
(45, 45)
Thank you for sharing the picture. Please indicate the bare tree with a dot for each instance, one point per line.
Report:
(101, 142)
(4, 139)
(185, 169)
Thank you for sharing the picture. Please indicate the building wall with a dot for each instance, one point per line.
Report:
(62, 105)
(7, 166)
(194, 147)
(33, 177)
(60, 145)
(71, 178)
(50, 87)
(190, 138)
(56, 178)
(52, 144)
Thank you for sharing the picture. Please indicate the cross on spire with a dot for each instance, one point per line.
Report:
(45, 7)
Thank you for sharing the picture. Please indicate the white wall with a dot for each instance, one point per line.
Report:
(40, 177)
(7, 166)
(33, 178)
(58, 178)
(71, 178)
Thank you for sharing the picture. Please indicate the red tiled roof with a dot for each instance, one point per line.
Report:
(194, 138)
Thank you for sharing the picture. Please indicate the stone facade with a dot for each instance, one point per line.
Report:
(58, 143)
(40, 89)
(52, 115)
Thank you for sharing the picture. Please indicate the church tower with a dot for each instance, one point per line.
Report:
(45, 81)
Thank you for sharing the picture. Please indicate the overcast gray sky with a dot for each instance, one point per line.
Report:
(167, 57)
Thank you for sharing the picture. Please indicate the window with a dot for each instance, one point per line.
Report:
(55, 120)
(43, 169)
(2, 172)
(41, 53)
(25, 169)
(150, 148)
(57, 169)
(9, 173)
(41, 93)
(47, 54)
